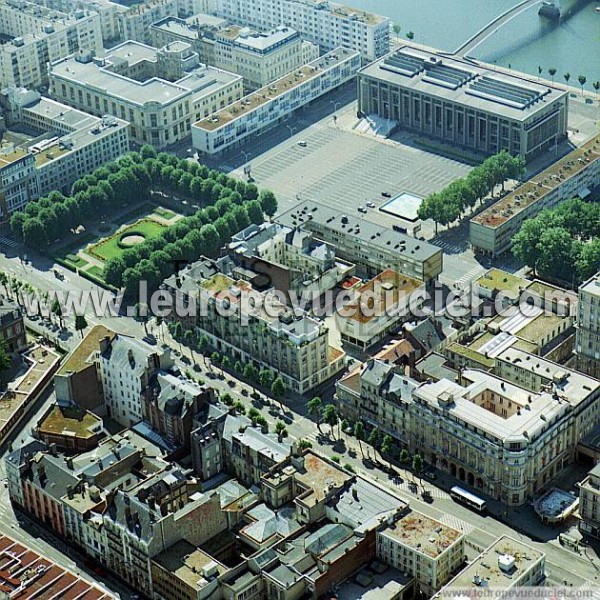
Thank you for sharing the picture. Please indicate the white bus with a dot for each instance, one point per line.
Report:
(464, 497)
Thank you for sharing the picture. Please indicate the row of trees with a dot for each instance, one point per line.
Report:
(446, 206)
(202, 234)
(125, 182)
(562, 243)
(582, 79)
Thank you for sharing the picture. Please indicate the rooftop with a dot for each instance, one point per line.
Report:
(97, 76)
(423, 534)
(79, 359)
(567, 384)
(384, 293)
(499, 280)
(69, 421)
(591, 286)
(11, 156)
(319, 216)
(538, 186)
(463, 81)
(40, 577)
(186, 562)
(274, 90)
(260, 43)
(486, 567)
(345, 12)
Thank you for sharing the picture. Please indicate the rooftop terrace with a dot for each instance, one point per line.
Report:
(69, 420)
(533, 190)
(423, 534)
(79, 358)
(486, 566)
(11, 157)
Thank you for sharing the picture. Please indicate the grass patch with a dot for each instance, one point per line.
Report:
(111, 247)
(165, 213)
(96, 271)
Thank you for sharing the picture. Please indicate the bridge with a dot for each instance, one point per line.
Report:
(491, 28)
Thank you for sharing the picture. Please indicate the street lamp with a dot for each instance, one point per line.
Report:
(335, 103)
(291, 130)
(246, 155)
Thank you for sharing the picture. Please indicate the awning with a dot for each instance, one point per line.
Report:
(583, 193)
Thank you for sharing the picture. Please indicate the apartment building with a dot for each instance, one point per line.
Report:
(260, 58)
(38, 35)
(223, 440)
(423, 547)
(12, 326)
(134, 23)
(463, 103)
(289, 260)
(70, 144)
(108, 12)
(506, 564)
(199, 31)
(589, 503)
(77, 382)
(158, 91)
(19, 578)
(126, 367)
(327, 24)
(377, 307)
(503, 439)
(294, 346)
(380, 394)
(574, 175)
(373, 248)
(588, 327)
(18, 180)
(269, 105)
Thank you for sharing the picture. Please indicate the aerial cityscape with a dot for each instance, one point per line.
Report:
(299, 300)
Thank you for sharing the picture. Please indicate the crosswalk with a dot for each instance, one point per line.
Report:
(447, 246)
(456, 523)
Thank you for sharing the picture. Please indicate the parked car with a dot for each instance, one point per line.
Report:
(362, 209)
(386, 194)
(302, 144)
(370, 204)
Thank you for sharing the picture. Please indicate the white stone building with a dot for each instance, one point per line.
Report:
(588, 327)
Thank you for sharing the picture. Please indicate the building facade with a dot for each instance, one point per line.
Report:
(373, 248)
(18, 181)
(324, 23)
(160, 92)
(589, 503)
(39, 35)
(492, 230)
(588, 327)
(462, 103)
(270, 105)
(12, 326)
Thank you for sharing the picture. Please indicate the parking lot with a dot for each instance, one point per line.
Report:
(344, 169)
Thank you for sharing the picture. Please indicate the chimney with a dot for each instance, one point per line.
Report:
(70, 492)
(104, 344)
(69, 462)
(151, 502)
(53, 450)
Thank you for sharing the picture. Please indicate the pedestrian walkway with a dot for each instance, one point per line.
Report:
(456, 523)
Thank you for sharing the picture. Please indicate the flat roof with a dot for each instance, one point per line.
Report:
(486, 565)
(388, 240)
(69, 421)
(79, 357)
(538, 186)
(530, 411)
(423, 534)
(11, 157)
(344, 12)
(568, 383)
(318, 474)
(392, 287)
(497, 279)
(203, 80)
(186, 562)
(404, 206)
(275, 89)
(591, 286)
(258, 41)
(463, 81)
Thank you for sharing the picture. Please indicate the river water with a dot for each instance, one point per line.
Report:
(525, 43)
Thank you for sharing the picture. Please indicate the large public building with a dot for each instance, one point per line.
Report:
(463, 103)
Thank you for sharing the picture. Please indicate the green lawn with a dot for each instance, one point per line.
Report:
(96, 271)
(109, 247)
(165, 213)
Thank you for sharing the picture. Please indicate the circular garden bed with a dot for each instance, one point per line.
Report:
(130, 239)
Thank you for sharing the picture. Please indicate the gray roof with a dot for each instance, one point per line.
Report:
(21, 454)
(268, 523)
(427, 333)
(463, 81)
(128, 354)
(361, 502)
(326, 538)
(376, 373)
(386, 239)
(434, 365)
(55, 477)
